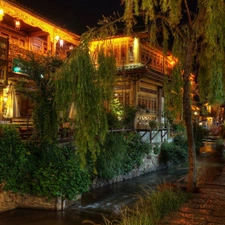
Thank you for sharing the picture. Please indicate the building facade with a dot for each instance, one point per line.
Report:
(23, 31)
(141, 71)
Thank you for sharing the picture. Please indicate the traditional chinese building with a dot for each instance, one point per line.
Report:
(141, 73)
(23, 31)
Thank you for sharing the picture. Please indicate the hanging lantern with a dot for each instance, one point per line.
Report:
(17, 24)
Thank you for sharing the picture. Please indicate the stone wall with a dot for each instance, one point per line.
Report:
(150, 163)
(9, 201)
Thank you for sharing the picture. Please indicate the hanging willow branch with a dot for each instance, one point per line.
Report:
(88, 87)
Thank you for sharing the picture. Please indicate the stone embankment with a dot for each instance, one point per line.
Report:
(207, 207)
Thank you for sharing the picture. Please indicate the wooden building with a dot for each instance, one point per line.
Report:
(141, 72)
(23, 31)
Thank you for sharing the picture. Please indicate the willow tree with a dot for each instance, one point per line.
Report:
(195, 30)
(88, 87)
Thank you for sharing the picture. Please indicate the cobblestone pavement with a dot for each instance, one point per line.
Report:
(208, 206)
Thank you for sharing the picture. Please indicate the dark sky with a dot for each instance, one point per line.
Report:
(74, 15)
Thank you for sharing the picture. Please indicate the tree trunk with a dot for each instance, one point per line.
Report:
(192, 177)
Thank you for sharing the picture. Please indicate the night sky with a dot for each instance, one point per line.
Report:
(74, 15)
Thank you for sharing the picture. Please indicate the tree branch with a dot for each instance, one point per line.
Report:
(188, 13)
(168, 22)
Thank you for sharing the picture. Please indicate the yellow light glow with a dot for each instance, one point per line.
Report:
(17, 24)
(1, 14)
(172, 60)
(136, 49)
(56, 38)
(61, 42)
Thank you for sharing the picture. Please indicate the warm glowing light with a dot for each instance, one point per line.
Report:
(61, 43)
(17, 24)
(1, 14)
(172, 61)
(56, 38)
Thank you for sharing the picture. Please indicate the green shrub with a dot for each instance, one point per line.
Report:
(43, 170)
(175, 151)
(59, 174)
(135, 151)
(153, 124)
(181, 140)
(178, 128)
(13, 159)
(129, 116)
(113, 121)
(110, 161)
(120, 153)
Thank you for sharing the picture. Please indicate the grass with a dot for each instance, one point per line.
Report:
(152, 206)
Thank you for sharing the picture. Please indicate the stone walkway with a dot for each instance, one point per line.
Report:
(206, 207)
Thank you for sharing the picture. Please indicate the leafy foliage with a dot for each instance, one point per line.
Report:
(110, 161)
(129, 116)
(88, 87)
(121, 153)
(175, 151)
(119, 116)
(178, 128)
(41, 70)
(59, 173)
(13, 158)
(42, 170)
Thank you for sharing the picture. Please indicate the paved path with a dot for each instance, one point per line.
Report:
(206, 207)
